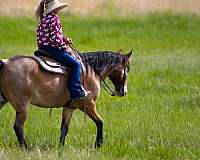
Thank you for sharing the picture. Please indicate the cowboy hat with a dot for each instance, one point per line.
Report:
(51, 5)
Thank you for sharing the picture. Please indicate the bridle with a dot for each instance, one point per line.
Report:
(108, 89)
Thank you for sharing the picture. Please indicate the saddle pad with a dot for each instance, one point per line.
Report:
(52, 66)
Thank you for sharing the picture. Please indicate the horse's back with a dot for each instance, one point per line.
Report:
(22, 76)
(18, 74)
(19, 70)
(20, 66)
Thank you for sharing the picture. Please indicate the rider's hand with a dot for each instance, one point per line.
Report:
(69, 40)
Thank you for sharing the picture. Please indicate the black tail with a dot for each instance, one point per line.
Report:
(1, 64)
(3, 99)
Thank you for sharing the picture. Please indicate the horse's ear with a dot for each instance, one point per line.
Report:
(120, 51)
(129, 54)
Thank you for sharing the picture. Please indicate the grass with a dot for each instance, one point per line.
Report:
(158, 119)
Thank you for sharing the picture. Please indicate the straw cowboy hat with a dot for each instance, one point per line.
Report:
(51, 5)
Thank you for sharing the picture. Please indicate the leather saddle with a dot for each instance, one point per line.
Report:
(47, 62)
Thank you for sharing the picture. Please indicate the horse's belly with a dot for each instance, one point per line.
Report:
(50, 90)
(50, 98)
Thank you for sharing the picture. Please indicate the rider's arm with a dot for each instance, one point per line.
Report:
(67, 40)
(56, 33)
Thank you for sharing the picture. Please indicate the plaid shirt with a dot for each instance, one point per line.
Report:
(49, 32)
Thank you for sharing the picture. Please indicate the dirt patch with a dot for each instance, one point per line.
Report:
(102, 7)
(17, 7)
(142, 6)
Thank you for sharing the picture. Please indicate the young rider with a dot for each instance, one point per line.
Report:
(50, 38)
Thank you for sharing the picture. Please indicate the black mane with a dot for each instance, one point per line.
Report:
(102, 59)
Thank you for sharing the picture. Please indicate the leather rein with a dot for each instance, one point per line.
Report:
(108, 89)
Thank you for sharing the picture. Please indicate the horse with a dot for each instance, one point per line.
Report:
(24, 82)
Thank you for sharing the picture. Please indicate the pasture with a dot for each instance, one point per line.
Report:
(158, 119)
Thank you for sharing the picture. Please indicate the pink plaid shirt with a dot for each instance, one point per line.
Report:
(49, 32)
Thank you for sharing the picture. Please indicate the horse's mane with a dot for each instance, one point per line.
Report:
(101, 59)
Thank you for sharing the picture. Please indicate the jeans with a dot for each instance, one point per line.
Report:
(74, 84)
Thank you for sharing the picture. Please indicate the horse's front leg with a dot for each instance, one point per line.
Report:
(66, 118)
(90, 109)
(19, 127)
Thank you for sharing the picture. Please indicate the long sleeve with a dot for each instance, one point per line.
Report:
(57, 38)
(49, 32)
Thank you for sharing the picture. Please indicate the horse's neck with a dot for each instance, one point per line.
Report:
(101, 62)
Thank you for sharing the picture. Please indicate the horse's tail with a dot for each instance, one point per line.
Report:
(1, 64)
(3, 99)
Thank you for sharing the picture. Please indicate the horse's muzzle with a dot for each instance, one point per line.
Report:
(122, 91)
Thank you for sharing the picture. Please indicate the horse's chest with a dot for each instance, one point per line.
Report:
(94, 86)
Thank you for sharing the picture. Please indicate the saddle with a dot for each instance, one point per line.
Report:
(47, 62)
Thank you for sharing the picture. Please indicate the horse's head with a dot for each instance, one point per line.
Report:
(119, 75)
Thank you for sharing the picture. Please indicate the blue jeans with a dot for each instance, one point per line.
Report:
(74, 84)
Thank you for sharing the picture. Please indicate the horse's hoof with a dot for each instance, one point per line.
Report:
(24, 147)
(97, 145)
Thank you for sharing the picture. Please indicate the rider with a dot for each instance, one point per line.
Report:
(51, 39)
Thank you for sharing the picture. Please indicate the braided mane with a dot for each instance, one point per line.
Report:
(99, 61)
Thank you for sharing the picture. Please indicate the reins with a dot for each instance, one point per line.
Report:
(108, 89)
(113, 93)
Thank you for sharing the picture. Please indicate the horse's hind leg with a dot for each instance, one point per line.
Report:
(66, 118)
(19, 126)
(20, 106)
(90, 109)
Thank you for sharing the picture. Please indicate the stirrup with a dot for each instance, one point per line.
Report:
(86, 96)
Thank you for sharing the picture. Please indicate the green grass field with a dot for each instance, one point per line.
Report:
(158, 119)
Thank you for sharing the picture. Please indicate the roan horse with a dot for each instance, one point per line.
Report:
(23, 81)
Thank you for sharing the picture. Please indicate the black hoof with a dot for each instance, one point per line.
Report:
(97, 145)
(61, 145)
(24, 147)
